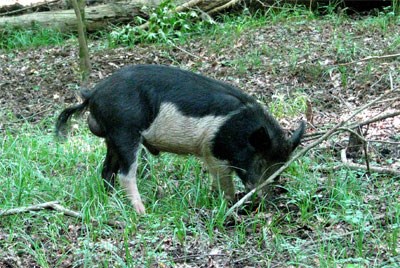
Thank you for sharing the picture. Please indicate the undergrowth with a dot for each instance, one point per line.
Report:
(168, 27)
(340, 213)
(322, 215)
(27, 38)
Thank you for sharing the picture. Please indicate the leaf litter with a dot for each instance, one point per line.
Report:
(270, 60)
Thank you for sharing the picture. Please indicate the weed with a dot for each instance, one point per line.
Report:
(284, 106)
(164, 26)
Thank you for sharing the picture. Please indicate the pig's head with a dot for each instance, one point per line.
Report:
(271, 149)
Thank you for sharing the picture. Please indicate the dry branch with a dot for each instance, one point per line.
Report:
(370, 58)
(355, 166)
(303, 151)
(341, 236)
(20, 210)
(54, 205)
(354, 125)
(377, 118)
(224, 6)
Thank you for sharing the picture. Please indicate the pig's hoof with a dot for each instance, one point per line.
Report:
(139, 207)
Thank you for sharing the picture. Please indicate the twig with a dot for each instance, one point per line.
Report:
(315, 135)
(369, 58)
(338, 236)
(352, 165)
(54, 205)
(355, 133)
(195, 256)
(225, 6)
(271, 178)
(389, 142)
(377, 118)
(185, 51)
(366, 157)
(20, 210)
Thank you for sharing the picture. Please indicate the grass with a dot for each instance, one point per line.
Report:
(184, 218)
(326, 216)
(36, 37)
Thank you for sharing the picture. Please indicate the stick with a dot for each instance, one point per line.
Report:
(370, 58)
(271, 178)
(378, 118)
(185, 51)
(54, 205)
(355, 166)
(314, 135)
(229, 4)
(20, 210)
(338, 236)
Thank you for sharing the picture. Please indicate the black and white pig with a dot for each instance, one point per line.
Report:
(167, 109)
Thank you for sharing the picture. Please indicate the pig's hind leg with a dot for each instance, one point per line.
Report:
(110, 167)
(126, 146)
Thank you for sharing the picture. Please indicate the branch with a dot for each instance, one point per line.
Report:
(225, 6)
(20, 210)
(314, 135)
(339, 236)
(303, 151)
(355, 166)
(370, 58)
(377, 118)
(54, 205)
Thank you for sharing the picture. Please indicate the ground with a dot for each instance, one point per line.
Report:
(277, 63)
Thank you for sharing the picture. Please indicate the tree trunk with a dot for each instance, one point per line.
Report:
(84, 60)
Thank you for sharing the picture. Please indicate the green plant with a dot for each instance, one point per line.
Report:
(11, 38)
(164, 26)
(284, 106)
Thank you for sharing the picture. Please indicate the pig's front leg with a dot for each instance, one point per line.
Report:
(221, 175)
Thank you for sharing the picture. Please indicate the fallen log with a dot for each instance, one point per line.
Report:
(97, 17)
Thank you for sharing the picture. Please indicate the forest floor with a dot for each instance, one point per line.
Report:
(319, 63)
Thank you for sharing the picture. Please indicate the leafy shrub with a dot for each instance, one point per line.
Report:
(165, 25)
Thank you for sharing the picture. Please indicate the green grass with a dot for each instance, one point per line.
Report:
(184, 218)
(328, 215)
(36, 37)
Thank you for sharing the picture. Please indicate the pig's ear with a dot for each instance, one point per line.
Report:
(260, 139)
(297, 135)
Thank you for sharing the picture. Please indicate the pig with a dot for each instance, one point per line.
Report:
(167, 109)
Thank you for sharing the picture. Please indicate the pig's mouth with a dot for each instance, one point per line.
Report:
(250, 186)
